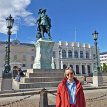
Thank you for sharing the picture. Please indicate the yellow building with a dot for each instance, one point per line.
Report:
(21, 55)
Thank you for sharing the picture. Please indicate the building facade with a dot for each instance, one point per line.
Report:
(21, 55)
(79, 56)
(103, 58)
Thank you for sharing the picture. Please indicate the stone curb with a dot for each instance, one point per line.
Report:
(11, 93)
(23, 93)
(34, 92)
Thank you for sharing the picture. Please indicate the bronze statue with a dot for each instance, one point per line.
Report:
(43, 24)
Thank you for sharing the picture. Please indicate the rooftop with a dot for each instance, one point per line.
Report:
(103, 53)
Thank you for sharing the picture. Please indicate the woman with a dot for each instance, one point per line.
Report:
(70, 91)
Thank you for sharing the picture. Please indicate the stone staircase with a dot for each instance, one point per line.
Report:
(36, 78)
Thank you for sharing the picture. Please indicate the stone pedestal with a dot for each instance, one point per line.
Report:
(44, 51)
(6, 81)
(97, 79)
(6, 75)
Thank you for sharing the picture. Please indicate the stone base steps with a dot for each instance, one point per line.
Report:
(45, 74)
(40, 79)
(38, 85)
(36, 78)
(18, 85)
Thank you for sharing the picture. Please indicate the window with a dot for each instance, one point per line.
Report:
(88, 67)
(83, 69)
(75, 54)
(69, 54)
(63, 54)
(87, 54)
(81, 54)
(64, 66)
(77, 69)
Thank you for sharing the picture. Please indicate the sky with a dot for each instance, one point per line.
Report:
(72, 20)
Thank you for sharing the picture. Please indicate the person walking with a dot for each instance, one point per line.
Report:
(70, 91)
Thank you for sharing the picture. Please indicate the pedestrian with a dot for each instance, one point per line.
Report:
(70, 91)
(17, 78)
(15, 72)
(21, 72)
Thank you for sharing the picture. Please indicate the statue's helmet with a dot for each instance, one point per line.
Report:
(40, 11)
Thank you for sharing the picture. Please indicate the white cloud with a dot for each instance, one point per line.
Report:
(30, 20)
(17, 8)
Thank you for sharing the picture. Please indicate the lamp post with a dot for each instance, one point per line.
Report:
(97, 75)
(9, 22)
(60, 56)
(95, 37)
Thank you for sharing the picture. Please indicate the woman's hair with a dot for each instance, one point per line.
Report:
(69, 68)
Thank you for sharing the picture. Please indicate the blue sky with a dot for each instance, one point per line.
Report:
(67, 16)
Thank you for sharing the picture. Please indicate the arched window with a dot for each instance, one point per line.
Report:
(63, 54)
(64, 66)
(69, 54)
(75, 54)
(87, 54)
(15, 67)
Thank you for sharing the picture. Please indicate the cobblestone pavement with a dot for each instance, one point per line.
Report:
(94, 98)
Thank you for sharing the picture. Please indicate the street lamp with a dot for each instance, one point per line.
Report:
(9, 22)
(97, 77)
(95, 37)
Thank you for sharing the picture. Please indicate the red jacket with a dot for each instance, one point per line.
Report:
(63, 99)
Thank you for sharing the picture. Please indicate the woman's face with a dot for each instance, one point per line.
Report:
(69, 74)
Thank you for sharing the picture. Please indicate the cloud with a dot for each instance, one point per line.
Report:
(17, 8)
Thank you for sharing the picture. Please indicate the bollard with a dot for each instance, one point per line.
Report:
(43, 98)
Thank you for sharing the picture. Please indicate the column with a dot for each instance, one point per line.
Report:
(80, 68)
(79, 53)
(61, 64)
(68, 65)
(92, 68)
(90, 55)
(86, 69)
(74, 67)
